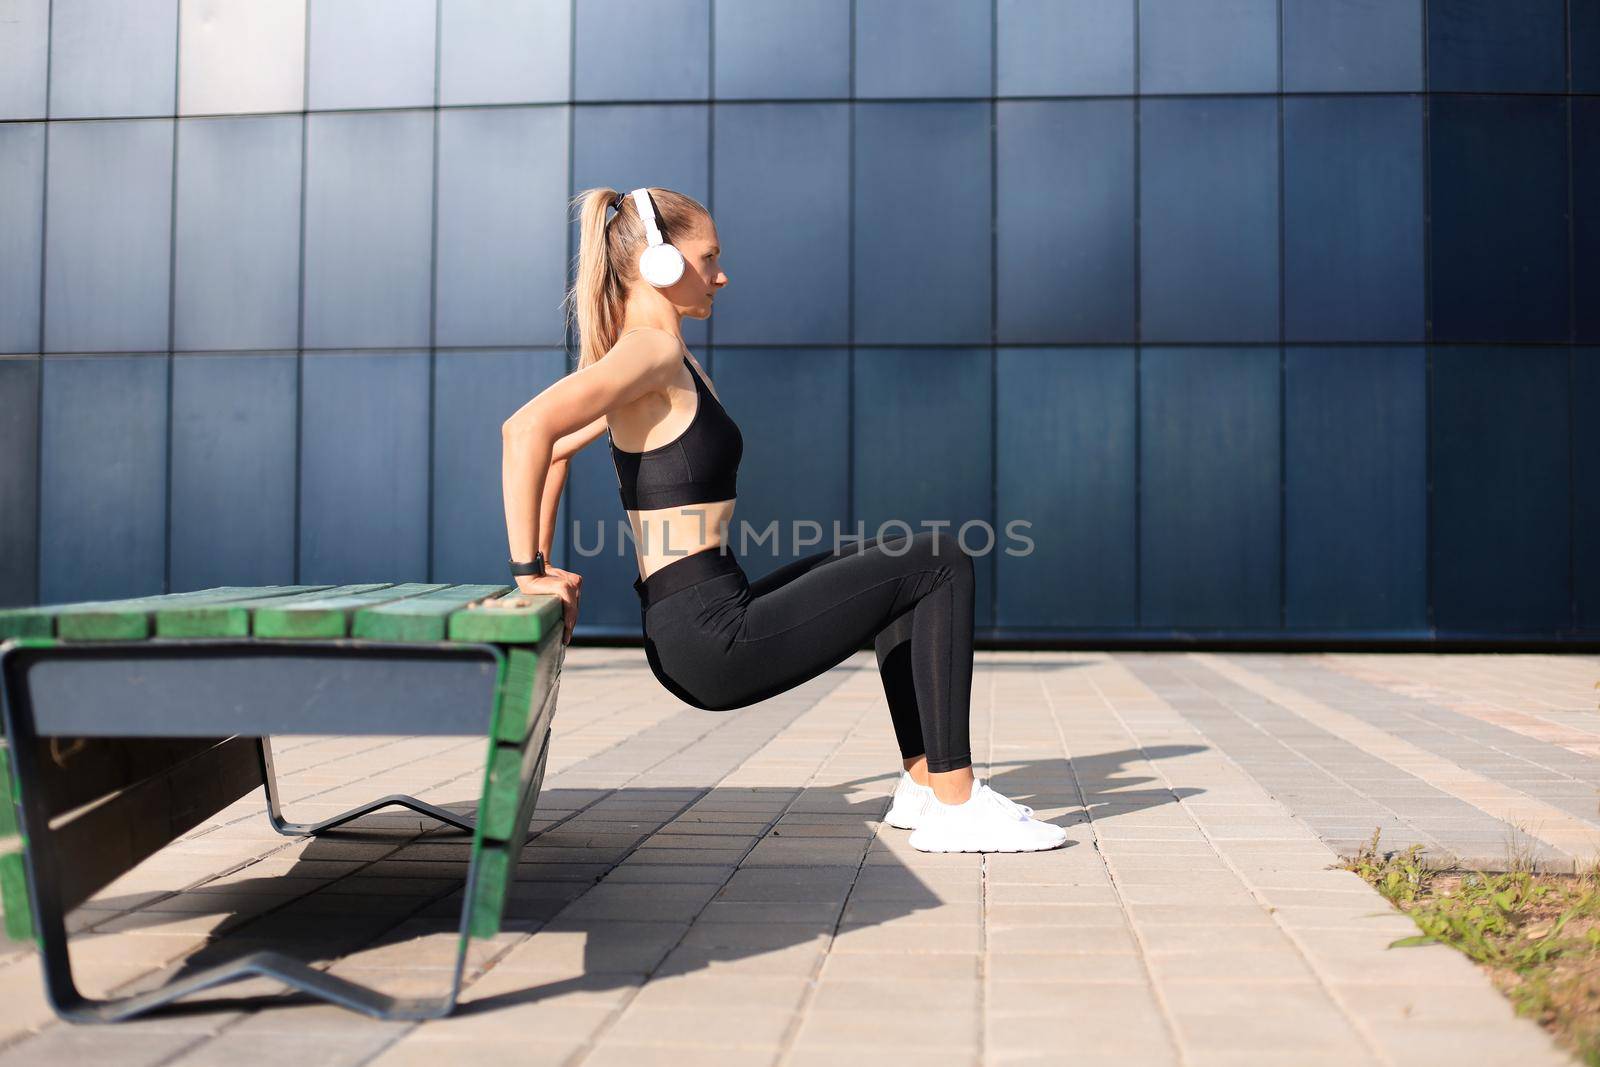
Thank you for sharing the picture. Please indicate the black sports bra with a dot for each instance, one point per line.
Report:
(700, 466)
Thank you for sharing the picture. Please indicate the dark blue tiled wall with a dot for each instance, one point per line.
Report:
(1268, 315)
(1501, 497)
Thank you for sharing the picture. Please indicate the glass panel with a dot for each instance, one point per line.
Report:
(233, 439)
(21, 234)
(923, 48)
(1489, 46)
(1064, 268)
(1356, 494)
(1586, 475)
(1586, 215)
(1353, 232)
(112, 57)
(1500, 274)
(242, 57)
(1501, 509)
(1068, 411)
(24, 53)
(103, 477)
(1208, 474)
(372, 53)
(1208, 46)
(19, 485)
(783, 220)
(364, 467)
(502, 196)
(782, 48)
(643, 50)
(922, 227)
(109, 236)
(1071, 48)
(491, 52)
(1209, 220)
(369, 239)
(1352, 46)
(237, 273)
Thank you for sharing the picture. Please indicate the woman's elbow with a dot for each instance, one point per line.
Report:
(524, 434)
(518, 426)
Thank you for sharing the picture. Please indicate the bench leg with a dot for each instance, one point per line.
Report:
(300, 829)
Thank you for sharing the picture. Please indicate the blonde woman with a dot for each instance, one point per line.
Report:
(713, 638)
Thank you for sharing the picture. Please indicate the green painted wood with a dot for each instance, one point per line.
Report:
(497, 861)
(8, 797)
(502, 798)
(513, 774)
(14, 897)
(529, 680)
(496, 872)
(13, 876)
(511, 619)
(419, 618)
(112, 620)
(327, 616)
(231, 618)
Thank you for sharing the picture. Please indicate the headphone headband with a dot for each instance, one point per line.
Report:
(647, 214)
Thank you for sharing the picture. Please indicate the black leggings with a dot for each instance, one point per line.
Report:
(719, 641)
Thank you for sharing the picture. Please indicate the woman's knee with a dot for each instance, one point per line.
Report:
(944, 549)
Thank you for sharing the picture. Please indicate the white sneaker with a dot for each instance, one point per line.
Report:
(910, 801)
(987, 822)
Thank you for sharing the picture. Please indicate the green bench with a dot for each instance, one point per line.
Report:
(129, 722)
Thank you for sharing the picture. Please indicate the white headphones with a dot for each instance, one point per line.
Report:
(660, 264)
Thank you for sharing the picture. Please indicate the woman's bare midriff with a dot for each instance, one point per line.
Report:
(666, 535)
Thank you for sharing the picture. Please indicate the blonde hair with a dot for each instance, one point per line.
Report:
(608, 260)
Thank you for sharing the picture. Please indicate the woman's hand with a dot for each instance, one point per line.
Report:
(556, 582)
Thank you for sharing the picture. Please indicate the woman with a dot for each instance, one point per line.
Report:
(713, 638)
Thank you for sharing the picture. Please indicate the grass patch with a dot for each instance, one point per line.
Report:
(1536, 934)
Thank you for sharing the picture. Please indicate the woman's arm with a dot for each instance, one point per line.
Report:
(645, 362)
(552, 503)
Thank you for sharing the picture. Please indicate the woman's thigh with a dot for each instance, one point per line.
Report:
(817, 619)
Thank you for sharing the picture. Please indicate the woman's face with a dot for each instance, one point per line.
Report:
(703, 275)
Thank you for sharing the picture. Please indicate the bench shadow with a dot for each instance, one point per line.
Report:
(635, 871)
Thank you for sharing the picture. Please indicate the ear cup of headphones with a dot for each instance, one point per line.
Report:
(661, 265)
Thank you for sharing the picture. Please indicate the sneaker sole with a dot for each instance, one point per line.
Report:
(1018, 848)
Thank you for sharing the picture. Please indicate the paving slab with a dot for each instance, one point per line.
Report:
(719, 887)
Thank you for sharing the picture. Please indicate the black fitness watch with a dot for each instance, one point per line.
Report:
(535, 567)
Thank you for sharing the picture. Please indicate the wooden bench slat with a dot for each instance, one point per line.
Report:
(497, 860)
(92, 620)
(419, 618)
(13, 874)
(230, 617)
(530, 675)
(327, 616)
(514, 618)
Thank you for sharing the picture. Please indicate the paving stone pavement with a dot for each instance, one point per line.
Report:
(718, 888)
